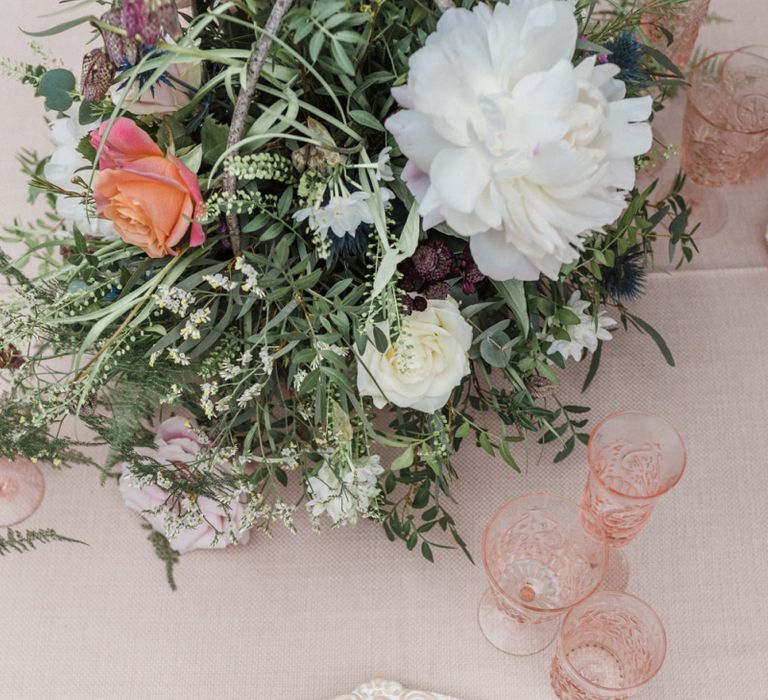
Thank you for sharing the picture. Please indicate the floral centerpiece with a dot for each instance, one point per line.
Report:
(315, 241)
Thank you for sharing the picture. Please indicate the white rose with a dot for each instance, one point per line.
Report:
(511, 144)
(427, 362)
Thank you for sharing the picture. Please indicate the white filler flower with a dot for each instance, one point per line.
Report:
(585, 334)
(427, 362)
(342, 215)
(67, 162)
(510, 143)
(345, 495)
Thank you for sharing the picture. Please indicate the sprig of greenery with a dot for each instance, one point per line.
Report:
(18, 541)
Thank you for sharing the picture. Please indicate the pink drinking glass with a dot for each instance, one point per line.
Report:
(685, 22)
(22, 488)
(610, 646)
(725, 131)
(634, 459)
(540, 561)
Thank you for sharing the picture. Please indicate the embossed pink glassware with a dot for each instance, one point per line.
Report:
(540, 561)
(685, 22)
(22, 488)
(725, 131)
(610, 646)
(634, 459)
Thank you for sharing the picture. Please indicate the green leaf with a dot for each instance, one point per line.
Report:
(366, 119)
(59, 28)
(660, 342)
(495, 354)
(214, 139)
(593, 366)
(404, 461)
(422, 496)
(485, 443)
(380, 339)
(463, 430)
(426, 551)
(57, 86)
(513, 293)
(193, 158)
(342, 57)
(567, 449)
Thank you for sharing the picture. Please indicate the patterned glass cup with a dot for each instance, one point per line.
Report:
(686, 21)
(610, 646)
(21, 490)
(725, 131)
(634, 459)
(540, 561)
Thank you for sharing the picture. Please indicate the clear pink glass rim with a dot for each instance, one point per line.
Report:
(41, 495)
(589, 685)
(619, 414)
(691, 98)
(518, 603)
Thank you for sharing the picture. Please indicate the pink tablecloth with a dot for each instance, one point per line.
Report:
(308, 617)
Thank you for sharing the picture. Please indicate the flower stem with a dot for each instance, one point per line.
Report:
(247, 91)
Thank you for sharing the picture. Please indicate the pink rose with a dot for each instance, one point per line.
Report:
(177, 444)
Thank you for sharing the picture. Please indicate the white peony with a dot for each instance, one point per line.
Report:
(65, 163)
(583, 335)
(347, 494)
(510, 143)
(427, 362)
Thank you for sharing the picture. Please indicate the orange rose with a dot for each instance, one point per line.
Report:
(151, 199)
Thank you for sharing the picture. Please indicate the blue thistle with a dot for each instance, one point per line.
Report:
(351, 245)
(627, 53)
(625, 281)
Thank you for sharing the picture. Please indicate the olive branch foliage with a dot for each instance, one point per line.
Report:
(324, 92)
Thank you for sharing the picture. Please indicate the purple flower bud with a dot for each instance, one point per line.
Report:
(419, 304)
(411, 281)
(98, 72)
(438, 290)
(150, 20)
(434, 260)
(120, 49)
(470, 273)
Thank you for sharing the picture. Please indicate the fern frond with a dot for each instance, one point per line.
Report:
(164, 552)
(17, 541)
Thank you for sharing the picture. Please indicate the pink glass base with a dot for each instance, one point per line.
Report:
(709, 206)
(512, 637)
(617, 574)
(22, 488)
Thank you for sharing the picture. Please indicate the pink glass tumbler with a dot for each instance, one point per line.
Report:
(21, 490)
(610, 646)
(539, 561)
(634, 459)
(685, 22)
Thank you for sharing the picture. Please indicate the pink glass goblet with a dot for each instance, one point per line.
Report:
(540, 561)
(725, 130)
(21, 490)
(610, 646)
(634, 459)
(685, 21)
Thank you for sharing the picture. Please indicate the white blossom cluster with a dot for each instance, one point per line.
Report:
(344, 489)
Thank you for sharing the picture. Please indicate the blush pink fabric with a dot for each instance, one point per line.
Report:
(308, 617)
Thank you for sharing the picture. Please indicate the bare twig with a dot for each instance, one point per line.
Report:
(247, 91)
(444, 5)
